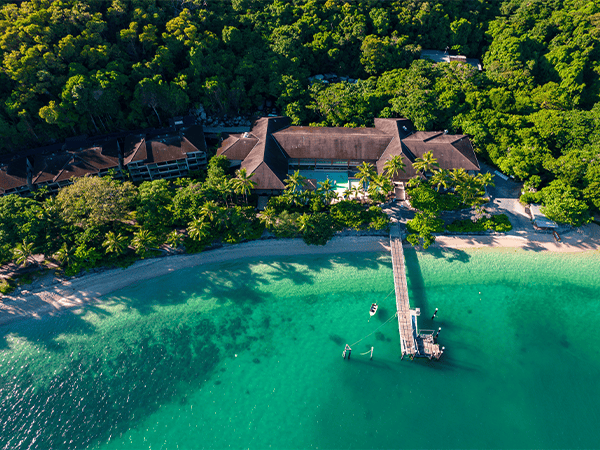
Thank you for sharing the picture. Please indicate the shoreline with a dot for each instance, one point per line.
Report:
(49, 295)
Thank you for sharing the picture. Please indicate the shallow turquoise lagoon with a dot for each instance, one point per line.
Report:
(248, 355)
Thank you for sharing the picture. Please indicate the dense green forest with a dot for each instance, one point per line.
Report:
(71, 67)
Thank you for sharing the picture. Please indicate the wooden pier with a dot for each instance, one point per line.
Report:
(412, 342)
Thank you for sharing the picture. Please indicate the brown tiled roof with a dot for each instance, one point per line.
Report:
(159, 133)
(98, 157)
(163, 145)
(80, 155)
(47, 168)
(195, 135)
(311, 184)
(169, 149)
(452, 151)
(134, 148)
(18, 168)
(396, 128)
(266, 160)
(402, 127)
(237, 147)
(110, 146)
(75, 167)
(360, 144)
(57, 167)
(10, 178)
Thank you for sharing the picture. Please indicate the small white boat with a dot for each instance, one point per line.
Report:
(373, 309)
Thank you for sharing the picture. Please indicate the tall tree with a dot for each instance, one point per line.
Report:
(115, 243)
(242, 183)
(393, 166)
(199, 229)
(23, 254)
(143, 240)
(327, 190)
(426, 163)
(95, 201)
(366, 172)
(295, 182)
(441, 179)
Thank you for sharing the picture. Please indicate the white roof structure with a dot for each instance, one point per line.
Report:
(539, 219)
(440, 56)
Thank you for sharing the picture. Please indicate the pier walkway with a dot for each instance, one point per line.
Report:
(412, 342)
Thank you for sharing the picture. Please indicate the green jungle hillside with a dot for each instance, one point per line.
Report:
(71, 67)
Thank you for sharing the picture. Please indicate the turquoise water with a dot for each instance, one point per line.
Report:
(340, 178)
(248, 355)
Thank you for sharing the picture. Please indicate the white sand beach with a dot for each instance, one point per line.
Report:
(51, 295)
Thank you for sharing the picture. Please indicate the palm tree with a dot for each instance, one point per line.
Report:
(242, 184)
(210, 210)
(441, 178)
(268, 217)
(304, 197)
(394, 165)
(115, 243)
(142, 241)
(198, 229)
(458, 176)
(366, 172)
(63, 255)
(485, 179)
(327, 190)
(385, 184)
(357, 191)
(426, 164)
(215, 214)
(468, 189)
(225, 188)
(174, 239)
(304, 222)
(24, 252)
(295, 182)
(348, 193)
(380, 187)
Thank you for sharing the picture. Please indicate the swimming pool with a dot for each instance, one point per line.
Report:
(342, 182)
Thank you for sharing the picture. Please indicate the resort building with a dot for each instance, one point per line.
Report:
(272, 149)
(53, 167)
(440, 56)
(165, 153)
(145, 155)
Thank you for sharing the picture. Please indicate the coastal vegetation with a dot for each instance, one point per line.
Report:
(98, 221)
(498, 222)
(435, 190)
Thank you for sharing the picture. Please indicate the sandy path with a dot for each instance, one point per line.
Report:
(586, 238)
(52, 295)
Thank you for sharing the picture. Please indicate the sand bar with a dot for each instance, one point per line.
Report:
(52, 295)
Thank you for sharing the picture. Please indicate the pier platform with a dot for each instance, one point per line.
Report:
(412, 342)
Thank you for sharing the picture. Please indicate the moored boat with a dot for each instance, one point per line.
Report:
(373, 309)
